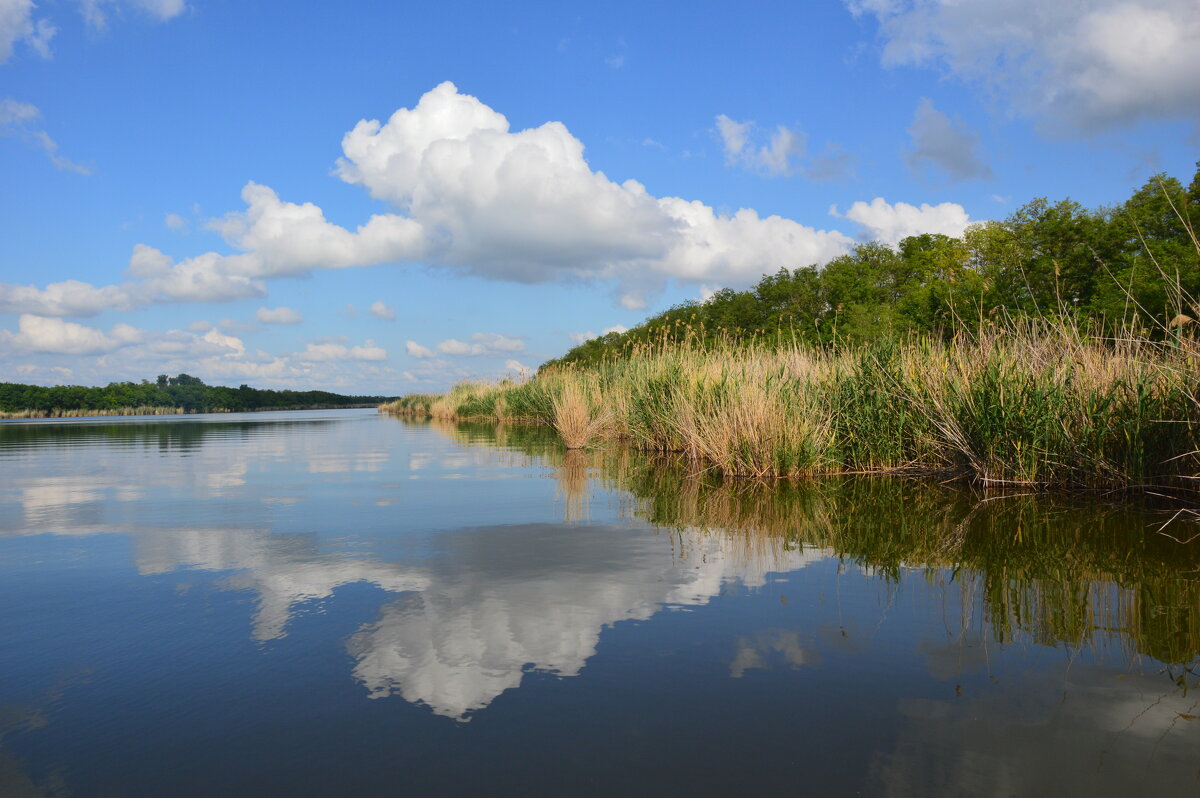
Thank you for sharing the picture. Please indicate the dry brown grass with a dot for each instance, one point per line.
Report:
(574, 418)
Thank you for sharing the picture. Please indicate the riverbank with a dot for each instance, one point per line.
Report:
(1022, 406)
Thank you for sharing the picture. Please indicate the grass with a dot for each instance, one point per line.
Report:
(1032, 404)
(75, 413)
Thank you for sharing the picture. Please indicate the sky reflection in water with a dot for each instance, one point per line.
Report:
(334, 601)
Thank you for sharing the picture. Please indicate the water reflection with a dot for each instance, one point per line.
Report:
(284, 571)
(966, 644)
(1058, 570)
(501, 601)
(1092, 733)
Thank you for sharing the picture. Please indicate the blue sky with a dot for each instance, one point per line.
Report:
(197, 185)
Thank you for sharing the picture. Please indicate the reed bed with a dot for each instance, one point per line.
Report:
(75, 413)
(1024, 405)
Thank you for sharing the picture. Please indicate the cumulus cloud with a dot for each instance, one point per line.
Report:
(526, 205)
(286, 239)
(17, 24)
(280, 315)
(175, 222)
(21, 120)
(55, 336)
(481, 344)
(155, 278)
(1093, 65)
(890, 224)
(517, 366)
(945, 144)
(414, 349)
(471, 195)
(382, 310)
(336, 351)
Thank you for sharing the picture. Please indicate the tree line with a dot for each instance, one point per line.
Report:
(1130, 267)
(182, 391)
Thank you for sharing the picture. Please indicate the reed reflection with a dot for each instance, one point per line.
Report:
(1054, 570)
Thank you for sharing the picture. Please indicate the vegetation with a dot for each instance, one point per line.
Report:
(180, 394)
(1123, 270)
(1005, 357)
(1052, 570)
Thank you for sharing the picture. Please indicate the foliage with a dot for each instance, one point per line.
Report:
(184, 393)
(1134, 266)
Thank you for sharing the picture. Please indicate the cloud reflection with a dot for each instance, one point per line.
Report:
(501, 601)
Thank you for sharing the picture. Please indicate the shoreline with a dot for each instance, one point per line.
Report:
(1013, 409)
(126, 412)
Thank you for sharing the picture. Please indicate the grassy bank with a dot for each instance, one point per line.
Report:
(1023, 405)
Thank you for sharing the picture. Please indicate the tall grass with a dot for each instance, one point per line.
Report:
(1035, 404)
(84, 413)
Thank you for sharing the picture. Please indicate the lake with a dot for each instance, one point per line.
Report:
(337, 602)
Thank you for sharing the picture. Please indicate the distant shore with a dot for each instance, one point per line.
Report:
(162, 411)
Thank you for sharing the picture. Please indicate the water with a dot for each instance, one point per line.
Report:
(335, 602)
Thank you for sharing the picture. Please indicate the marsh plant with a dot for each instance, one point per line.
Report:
(1035, 404)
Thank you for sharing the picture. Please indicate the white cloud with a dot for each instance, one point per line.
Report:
(482, 344)
(414, 349)
(1090, 65)
(891, 224)
(517, 366)
(233, 325)
(733, 136)
(55, 336)
(283, 238)
(175, 222)
(200, 326)
(521, 206)
(221, 341)
(775, 158)
(526, 206)
(944, 143)
(280, 315)
(18, 25)
(583, 337)
(20, 120)
(382, 310)
(631, 300)
(494, 342)
(162, 10)
(335, 351)
(156, 278)
(205, 278)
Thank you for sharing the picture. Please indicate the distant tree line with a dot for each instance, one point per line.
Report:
(182, 391)
(1135, 266)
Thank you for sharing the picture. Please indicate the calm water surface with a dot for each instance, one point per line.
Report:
(341, 603)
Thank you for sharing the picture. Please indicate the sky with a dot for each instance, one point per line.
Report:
(384, 198)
